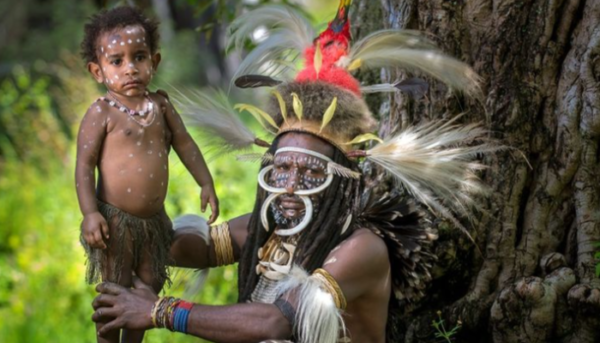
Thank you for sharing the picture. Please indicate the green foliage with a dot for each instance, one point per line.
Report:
(597, 257)
(440, 329)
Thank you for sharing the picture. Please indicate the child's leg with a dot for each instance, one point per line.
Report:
(124, 276)
(145, 272)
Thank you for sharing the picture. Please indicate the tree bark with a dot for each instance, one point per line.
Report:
(540, 61)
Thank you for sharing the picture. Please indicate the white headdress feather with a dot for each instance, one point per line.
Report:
(289, 33)
(411, 51)
(435, 163)
(212, 113)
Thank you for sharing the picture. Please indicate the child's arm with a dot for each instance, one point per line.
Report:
(89, 141)
(192, 158)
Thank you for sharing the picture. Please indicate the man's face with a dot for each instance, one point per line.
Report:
(126, 65)
(297, 171)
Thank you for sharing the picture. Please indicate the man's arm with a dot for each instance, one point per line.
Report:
(92, 132)
(120, 307)
(357, 275)
(192, 158)
(189, 249)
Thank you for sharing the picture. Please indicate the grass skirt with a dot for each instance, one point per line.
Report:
(140, 236)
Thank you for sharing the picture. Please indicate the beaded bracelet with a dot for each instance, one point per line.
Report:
(171, 313)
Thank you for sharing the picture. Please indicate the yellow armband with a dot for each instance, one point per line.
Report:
(221, 240)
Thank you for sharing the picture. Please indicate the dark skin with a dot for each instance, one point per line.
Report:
(360, 266)
(131, 152)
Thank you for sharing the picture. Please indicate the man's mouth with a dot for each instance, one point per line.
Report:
(291, 203)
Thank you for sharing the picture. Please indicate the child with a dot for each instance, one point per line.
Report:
(127, 135)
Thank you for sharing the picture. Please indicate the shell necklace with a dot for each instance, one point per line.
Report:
(132, 113)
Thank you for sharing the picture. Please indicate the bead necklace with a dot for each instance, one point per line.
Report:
(132, 113)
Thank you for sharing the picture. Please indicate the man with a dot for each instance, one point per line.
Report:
(325, 256)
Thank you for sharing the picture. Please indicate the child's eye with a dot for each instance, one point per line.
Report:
(116, 62)
(140, 58)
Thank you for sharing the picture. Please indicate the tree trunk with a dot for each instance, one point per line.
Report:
(534, 278)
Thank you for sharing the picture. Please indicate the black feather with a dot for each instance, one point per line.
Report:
(398, 221)
(256, 81)
(413, 87)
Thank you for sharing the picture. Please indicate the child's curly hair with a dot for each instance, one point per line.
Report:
(119, 17)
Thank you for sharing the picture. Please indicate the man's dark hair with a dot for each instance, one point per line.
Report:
(317, 240)
(107, 21)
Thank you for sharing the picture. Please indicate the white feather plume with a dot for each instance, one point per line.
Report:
(288, 34)
(411, 51)
(211, 112)
(317, 317)
(436, 162)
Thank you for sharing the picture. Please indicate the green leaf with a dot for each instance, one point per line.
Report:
(329, 113)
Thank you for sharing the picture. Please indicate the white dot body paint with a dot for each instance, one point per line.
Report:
(128, 190)
(139, 170)
(149, 152)
(151, 176)
(139, 143)
(129, 41)
(85, 146)
(114, 41)
(122, 43)
(137, 40)
(101, 49)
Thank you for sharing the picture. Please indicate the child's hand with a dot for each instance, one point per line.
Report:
(209, 196)
(94, 226)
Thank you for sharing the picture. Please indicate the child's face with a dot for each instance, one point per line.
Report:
(126, 65)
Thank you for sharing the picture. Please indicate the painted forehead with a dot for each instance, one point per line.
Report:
(123, 36)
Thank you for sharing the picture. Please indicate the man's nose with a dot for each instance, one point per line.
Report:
(292, 182)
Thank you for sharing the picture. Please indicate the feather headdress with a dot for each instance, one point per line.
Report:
(433, 161)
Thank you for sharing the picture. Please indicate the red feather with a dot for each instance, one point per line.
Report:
(334, 42)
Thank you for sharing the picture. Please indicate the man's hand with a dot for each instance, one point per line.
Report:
(93, 228)
(122, 308)
(208, 196)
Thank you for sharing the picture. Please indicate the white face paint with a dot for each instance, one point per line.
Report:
(127, 65)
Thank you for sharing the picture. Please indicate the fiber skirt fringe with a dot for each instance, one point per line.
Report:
(137, 236)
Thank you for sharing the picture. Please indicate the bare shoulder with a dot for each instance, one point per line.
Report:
(362, 245)
(97, 117)
(161, 98)
(358, 263)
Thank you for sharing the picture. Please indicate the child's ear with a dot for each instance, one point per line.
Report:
(156, 60)
(95, 70)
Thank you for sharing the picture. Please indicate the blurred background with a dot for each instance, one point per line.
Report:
(44, 91)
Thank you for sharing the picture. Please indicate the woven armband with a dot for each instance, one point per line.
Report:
(331, 286)
(221, 240)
